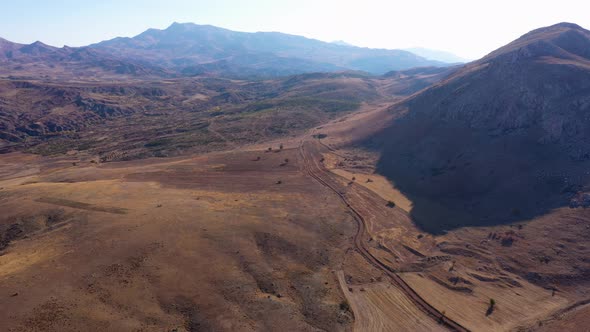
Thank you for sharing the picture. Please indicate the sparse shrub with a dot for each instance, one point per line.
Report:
(507, 241)
(281, 146)
(344, 306)
(279, 182)
(390, 204)
(320, 136)
(369, 180)
(491, 307)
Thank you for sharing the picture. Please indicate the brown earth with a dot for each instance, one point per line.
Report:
(281, 230)
(209, 242)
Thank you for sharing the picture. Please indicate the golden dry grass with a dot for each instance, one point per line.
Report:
(228, 254)
(383, 307)
(514, 306)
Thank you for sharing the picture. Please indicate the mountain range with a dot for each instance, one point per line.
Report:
(190, 49)
(437, 55)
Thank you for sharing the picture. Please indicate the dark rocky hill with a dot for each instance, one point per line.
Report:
(502, 139)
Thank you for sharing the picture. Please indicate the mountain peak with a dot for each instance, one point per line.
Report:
(563, 40)
(565, 25)
(180, 26)
(37, 48)
(341, 43)
(175, 25)
(39, 44)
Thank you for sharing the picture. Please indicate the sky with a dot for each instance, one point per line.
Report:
(469, 29)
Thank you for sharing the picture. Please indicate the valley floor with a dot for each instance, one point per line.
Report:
(250, 240)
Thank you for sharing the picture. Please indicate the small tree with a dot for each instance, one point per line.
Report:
(390, 204)
(491, 307)
(281, 146)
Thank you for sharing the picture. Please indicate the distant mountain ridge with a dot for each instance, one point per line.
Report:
(437, 55)
(40, 60)
(185, 45)
(187, 49)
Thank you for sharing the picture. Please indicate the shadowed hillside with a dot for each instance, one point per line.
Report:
(505, 138)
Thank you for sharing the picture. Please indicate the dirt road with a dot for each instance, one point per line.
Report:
(311, 154)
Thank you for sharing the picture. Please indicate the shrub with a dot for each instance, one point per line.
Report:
(491, 307)
(344, 306)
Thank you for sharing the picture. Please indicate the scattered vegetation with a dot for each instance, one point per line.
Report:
(390, 204)
(344, 306)
(491, 307)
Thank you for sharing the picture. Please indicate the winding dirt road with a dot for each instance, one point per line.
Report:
(311, 154)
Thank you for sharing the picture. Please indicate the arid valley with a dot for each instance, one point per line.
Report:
(138, 193)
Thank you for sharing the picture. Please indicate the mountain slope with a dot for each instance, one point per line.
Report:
(504, 138)
(437, 55)
(40, 60)
(182, 46)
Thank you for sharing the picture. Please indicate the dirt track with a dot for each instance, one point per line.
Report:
(311, 154)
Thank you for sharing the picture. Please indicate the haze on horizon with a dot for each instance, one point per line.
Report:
(469, 29)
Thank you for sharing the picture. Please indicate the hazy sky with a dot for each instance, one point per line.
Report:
(469, 29)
